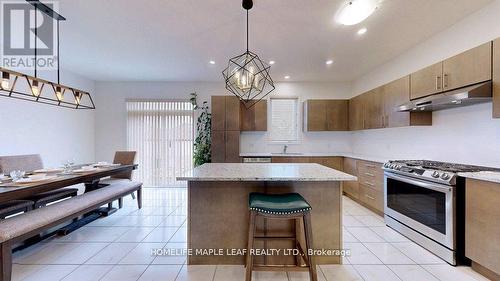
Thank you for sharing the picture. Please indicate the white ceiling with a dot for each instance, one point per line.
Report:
(173, 40)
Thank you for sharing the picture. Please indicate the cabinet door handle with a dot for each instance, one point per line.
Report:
(369, 183)
(438, 82)
(370, 174)
(369, 166)
(370, 197)
(445, 81)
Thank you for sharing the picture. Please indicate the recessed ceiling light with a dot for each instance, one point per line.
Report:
(271, 62)
(328, 62)
(356, 11)
(212, 62)
(362, 31)
(287, 77)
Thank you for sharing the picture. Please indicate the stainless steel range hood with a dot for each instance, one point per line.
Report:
(477, 93)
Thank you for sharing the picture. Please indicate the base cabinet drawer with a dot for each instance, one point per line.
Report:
(371, 197)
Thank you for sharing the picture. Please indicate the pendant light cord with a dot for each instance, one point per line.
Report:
(36, 37)
(58, 57)
(247, 30)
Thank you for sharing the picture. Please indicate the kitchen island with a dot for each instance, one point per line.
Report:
(218, 209)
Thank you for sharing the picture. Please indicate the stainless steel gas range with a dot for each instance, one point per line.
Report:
(425, 201)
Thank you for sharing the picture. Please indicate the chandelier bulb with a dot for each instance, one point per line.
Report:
(34, 88)
(5, 81)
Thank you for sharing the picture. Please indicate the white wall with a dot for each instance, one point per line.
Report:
(111, 112)
(58, 134)
(468, 134)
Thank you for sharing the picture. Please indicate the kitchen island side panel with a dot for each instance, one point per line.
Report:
(218, 219)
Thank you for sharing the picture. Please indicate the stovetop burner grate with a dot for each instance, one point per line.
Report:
(443, 166)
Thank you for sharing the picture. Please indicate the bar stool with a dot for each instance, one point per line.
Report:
(290, 206)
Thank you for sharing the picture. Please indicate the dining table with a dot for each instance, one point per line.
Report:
(10, 190)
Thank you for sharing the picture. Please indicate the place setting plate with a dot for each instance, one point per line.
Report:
(85, 170)
(105, 165)
(34, 179)
(49, 171)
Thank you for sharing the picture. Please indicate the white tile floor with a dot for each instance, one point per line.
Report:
(119, 248)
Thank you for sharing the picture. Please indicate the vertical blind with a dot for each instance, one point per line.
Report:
(162, 133)
(284, 120)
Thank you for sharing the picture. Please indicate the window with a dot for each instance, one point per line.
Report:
(284, 120)
(162, 133)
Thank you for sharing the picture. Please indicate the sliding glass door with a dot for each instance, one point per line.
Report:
(162, 133)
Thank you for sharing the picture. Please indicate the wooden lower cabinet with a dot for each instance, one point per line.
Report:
(482, 226)
(351, 188)
(287, 159)
(369, 189)
(330, 162)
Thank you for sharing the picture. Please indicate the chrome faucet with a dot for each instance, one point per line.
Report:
(285, 147)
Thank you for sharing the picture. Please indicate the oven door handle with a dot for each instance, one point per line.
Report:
(433, 186)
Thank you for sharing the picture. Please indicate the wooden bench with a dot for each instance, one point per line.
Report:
(22, 227)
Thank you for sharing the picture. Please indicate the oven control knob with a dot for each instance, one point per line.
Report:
(397, 167)
(435, 174)
(445, 176)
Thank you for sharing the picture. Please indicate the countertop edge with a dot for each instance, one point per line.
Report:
(319, 154)
(270, 179)
(484, 176)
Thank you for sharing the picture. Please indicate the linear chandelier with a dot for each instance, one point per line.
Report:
(246, 75)
(31, 88)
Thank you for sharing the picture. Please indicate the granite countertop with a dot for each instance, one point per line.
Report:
(484, 175)
(265, 172)
(317, 154)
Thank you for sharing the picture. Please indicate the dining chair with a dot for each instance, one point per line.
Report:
(123, 158)
(30, 163)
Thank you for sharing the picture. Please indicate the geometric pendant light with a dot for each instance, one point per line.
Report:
(246, 75)
(31, 88)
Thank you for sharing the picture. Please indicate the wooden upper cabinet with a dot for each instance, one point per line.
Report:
(232, 113)
(254, 118)
(315, 116)
(396, 93)
(337, 115)
(374, 109)
(467, 68)
(218, 113)
(356, 113)
(427, 81)
(326, 115)
(496, 78)
(225, 113)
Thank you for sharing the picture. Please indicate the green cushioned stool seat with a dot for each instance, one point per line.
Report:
(278, 204)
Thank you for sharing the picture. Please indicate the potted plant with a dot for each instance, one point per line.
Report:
(202, 142)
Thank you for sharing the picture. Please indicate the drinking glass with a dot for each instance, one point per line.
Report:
(68, 165)
(17, 175)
